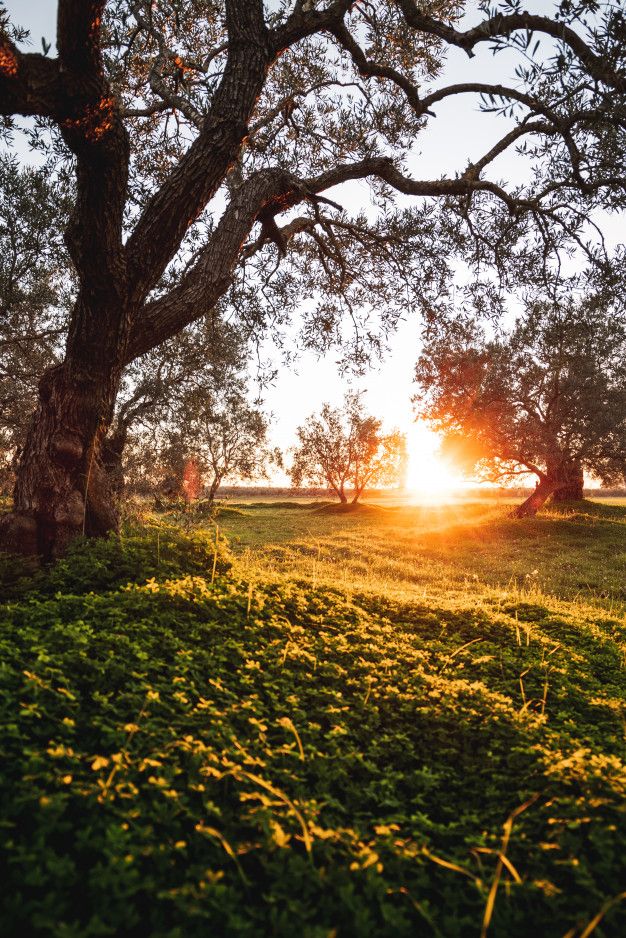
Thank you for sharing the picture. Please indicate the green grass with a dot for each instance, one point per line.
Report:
(463, 550)
(324, 732)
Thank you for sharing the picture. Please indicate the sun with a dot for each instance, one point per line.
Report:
(428, 473)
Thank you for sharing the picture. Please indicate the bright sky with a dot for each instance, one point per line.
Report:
(450, 141)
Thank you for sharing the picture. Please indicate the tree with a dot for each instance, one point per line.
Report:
(546, 398)
(35, 297)
(346, 448)
(203, 367)
(213, 436)
(193, 125)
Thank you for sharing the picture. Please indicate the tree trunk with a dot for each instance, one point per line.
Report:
(62, 489)
(537, 500)
(572, 488)
(215, 484)
(112, 452)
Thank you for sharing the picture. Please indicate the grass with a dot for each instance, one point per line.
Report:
(461, 551)
(380, 724)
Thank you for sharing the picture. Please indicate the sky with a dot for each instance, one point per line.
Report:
(448, 144)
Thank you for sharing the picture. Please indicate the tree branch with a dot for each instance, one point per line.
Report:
(30, 84)
(502, 25)
(199, 174)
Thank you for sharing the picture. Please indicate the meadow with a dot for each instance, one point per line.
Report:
(406, 720)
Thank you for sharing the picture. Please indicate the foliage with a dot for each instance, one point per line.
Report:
(204, 139)
(246, 757)
(210, 353)
(35, 293)
(343, 447)
(96, 566)
(191, 404)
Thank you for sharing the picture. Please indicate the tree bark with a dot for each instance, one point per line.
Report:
(215, 484)
(572, 488)
(535, 501)
(112, 452)
(62, 488)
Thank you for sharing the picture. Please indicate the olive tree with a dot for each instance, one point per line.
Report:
(547, 397)
(204, 137)
(212, 432)
(345, 449)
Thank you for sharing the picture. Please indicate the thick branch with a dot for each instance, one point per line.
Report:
(97, 137)
(199, 174)
(266, 194)
(302, 24)
(211, 276)
(29, 84)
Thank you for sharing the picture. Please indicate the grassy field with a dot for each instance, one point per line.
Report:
(408, 720)
(464, 551)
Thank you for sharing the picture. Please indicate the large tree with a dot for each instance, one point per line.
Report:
(546, 398)
(209, 356)
(193, 125)
(346, 449)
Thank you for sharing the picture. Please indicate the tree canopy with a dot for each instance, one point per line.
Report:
(208, 425)
(204, 137)
(546, 397)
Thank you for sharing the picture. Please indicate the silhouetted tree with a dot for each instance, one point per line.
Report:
(345, 449)
(547, 398)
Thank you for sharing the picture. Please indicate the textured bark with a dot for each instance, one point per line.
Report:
(61, 489)
(572, 488)
(111, 457)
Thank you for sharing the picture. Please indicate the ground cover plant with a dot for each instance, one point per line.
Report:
(194, 743)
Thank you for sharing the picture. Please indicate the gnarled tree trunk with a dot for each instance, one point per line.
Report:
(571, 490)
(535, 501)
(62, 488)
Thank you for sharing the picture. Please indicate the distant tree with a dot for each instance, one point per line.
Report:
(345, 448)
(204, 364)
(188, 419)
(547, 398)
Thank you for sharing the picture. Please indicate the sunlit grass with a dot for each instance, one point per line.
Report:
(466, 551)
